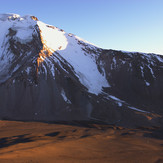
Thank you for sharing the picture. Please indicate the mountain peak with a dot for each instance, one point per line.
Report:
(4, 17)
(25, 30)
(54, 75)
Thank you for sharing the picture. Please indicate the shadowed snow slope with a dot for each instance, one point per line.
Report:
(47, 74)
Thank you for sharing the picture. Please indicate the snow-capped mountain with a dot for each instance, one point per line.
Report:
(47, 74)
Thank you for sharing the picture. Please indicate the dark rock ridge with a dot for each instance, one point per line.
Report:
(39, 83)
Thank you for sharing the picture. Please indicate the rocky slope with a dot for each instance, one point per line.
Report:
(47, 74)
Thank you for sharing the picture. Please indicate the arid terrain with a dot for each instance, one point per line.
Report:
(37, 142)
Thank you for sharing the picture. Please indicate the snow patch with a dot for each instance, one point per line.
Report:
(85, 67)
(147, 83)
(4, 17)
(119, 104)
(159, 58)
(63, 94)
(53, 37)
(115, 98)
(23, 35)
(28, 70)
(151, 71)
(142, 72)
(139, 110)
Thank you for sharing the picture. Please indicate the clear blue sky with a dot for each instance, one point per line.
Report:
(131, 25)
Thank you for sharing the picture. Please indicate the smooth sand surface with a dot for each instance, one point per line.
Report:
(36, 142)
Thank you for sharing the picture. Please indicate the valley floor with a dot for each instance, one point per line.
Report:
(37, 142)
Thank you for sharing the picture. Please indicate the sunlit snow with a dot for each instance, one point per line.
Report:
(84, 64)
(53, 38)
